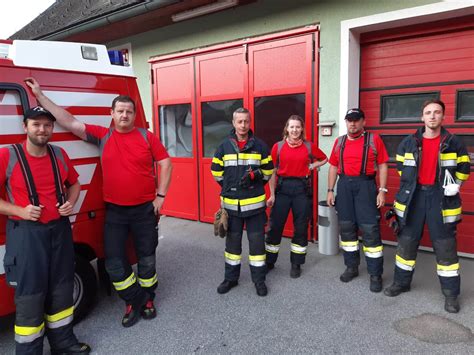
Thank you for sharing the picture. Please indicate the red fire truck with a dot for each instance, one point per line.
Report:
(82, 79)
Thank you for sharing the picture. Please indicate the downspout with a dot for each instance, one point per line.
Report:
(105, 20)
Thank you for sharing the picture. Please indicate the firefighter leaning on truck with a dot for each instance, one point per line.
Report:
(242, 165)
(42, 187)
(432, 164)
(133, 200)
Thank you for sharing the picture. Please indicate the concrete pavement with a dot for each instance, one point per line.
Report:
(313, 314)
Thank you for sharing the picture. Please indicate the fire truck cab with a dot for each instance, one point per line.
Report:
(82, 79)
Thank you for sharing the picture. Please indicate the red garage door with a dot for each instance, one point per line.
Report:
(402, 68)
(195, 96)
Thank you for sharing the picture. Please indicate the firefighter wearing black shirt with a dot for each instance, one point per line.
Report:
(355, 159)
(433, 164)
(242, 165)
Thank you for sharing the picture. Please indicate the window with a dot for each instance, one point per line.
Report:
(404, 107)
(468, 140)
(271, 114)
(465, 105)
(217, 122)
(176, 129)
(13, 104)
(391, 144)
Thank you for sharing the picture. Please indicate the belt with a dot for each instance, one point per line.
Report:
(292, 177)
(425, 187)
(357, 177)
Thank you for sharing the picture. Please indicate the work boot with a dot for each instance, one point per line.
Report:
(349, 274)
(261, 289)
(395, 289)
(226, 285)
(149, 310)
(451, 304)
(78, 348)
(375, 283)
(295, 271)
(131, 316)
(270, 266)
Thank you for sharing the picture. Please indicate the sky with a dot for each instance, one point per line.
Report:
(15, 14)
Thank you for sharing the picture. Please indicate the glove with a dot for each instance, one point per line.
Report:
(392, 222)
(250, 177)
(221, 222)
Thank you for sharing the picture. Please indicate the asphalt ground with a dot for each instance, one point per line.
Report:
(313, 314)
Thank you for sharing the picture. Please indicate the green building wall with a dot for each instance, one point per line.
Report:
(263, 17)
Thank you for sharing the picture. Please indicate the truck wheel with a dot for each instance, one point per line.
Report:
(85, 288)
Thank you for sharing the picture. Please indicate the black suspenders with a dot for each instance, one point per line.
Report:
(29, 182)
(60, 194)
(365, 153)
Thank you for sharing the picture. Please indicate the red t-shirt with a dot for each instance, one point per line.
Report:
(353, 152)
(293, 162)
(429, 160)
(43, 178)
(127, 165)
(241, 144)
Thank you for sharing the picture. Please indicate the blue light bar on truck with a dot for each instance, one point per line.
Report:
(116, 57)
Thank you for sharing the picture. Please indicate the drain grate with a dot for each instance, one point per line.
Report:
(435, 329)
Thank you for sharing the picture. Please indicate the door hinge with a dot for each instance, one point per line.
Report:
(246, 53)
(152, 77)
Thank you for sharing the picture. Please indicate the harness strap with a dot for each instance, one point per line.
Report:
(342, 146)
(365, 153)
(28, 176)
(25, 169)
(60, 193)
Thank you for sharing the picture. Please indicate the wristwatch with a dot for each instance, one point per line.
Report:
(330, 190)
(383, 189)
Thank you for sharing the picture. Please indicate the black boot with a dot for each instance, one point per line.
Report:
(349, 274)
(451, 304)
(78, 348)
(395, 289)
(226, 286)
(149, 310)
(261, 289)
(133, 312)
(375, 283)
(295, 271)
(270, 266)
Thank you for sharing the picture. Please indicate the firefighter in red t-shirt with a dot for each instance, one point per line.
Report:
(355, 158)
(42, 188)
(433, 164)
(290, 188)
(133, 200)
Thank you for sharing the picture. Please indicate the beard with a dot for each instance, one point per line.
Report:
(40, 141)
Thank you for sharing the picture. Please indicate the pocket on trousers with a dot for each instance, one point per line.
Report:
(9, 263)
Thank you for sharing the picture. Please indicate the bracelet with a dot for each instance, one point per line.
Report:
(330, 190)
(383, 189)
(160, 195)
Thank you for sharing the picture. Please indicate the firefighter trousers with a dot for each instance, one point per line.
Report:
(356, 209)
(291, 193)
(39, 264)
(426, 207)
(141, 222)
(255, 226)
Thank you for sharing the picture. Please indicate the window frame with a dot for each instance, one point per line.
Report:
(23, 95)
(457, 117)
(398, 120)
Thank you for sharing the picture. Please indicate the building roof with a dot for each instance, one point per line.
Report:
(101, 21)
(67, 13)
